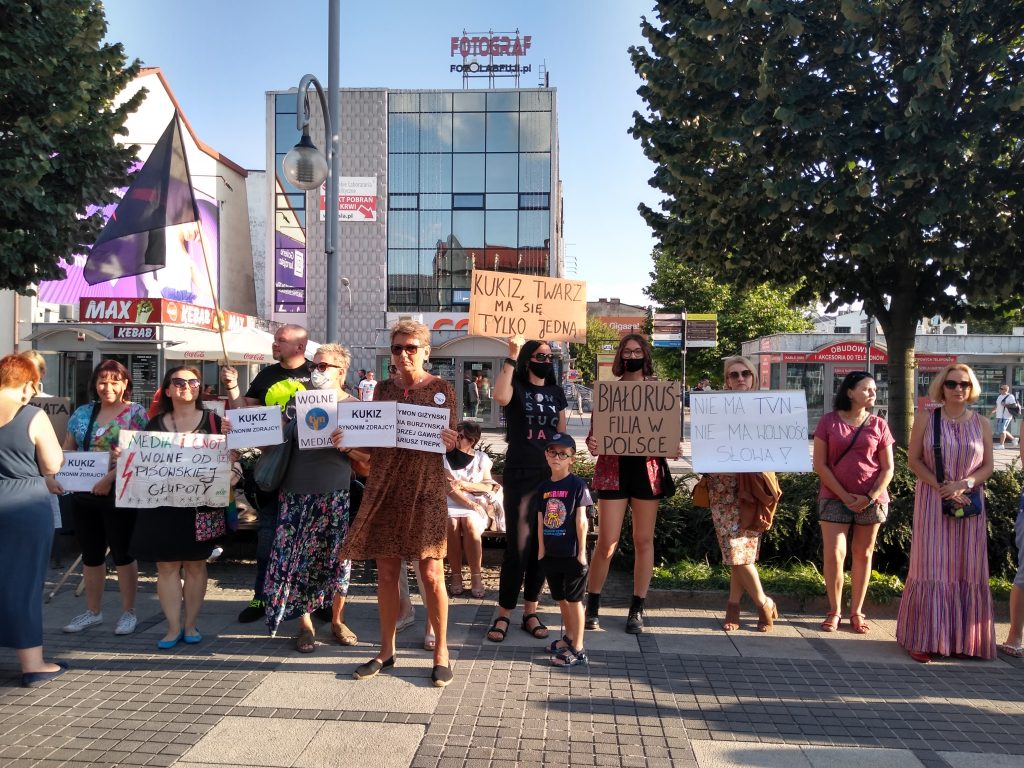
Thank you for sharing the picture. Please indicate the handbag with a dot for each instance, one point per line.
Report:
(700, 495)
(210, 523)
(975, 497)
(272, 465)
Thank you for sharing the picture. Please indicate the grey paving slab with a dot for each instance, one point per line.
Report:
(368, 745)
(981, 760)
(243, 741)
(717, 754)
(412, 691)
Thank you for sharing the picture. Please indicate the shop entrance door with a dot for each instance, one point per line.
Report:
(476, 401)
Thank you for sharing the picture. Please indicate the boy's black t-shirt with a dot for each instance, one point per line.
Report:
(559, 500)
(531, 418)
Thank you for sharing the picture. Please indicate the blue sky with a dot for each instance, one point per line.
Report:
(221, 56)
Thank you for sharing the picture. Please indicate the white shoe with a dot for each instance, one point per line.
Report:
(126, 624)
(84, 621)
(217, 552)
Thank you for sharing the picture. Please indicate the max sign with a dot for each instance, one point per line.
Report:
(548, 308)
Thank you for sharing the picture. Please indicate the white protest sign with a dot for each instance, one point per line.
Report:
(368, 425)
(316, 414)
(255, 427)
(419, 427)
(750, 431)
(83, 469)
(174, 469)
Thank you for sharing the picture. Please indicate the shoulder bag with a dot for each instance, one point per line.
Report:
(272, 465)
(975, 497)
(210, 521)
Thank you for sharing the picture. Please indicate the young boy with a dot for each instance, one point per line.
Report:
(562, 548)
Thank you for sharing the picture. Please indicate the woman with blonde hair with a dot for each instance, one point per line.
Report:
(404, 512)
(739, 546)
(946, 608)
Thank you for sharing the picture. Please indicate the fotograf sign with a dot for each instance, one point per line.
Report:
(490, 45)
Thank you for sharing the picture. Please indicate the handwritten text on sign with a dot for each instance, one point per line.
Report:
(549, 308)
(255, 427)
(368, 425)
(637, 418)
(172, 469)
(750, 431)
(419, 427)
(317, 413)
(83, 469)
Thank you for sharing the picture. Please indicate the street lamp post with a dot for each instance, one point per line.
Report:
(306, 168)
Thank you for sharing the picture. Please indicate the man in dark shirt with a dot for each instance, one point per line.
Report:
(274, 385)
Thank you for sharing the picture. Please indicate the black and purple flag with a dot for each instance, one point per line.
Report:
(160, 196)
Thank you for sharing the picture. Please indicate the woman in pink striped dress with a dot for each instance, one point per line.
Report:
(947, 606)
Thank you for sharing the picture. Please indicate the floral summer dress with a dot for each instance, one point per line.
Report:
(739, 547)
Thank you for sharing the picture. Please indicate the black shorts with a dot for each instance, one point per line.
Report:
(100, 524)
(633, 481)
(567, 578)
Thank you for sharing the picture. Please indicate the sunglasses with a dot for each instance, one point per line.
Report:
(737, 375)
(410, 349)
(541, 357)
(182, 383)
(951, 385)
(557, 454)
(322, 367)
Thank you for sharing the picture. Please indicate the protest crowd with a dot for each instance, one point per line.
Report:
(427, 494)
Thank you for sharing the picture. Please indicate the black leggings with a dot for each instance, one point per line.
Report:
(519, 567)
(99, 524)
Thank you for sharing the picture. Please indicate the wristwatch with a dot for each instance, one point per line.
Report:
(970, 483)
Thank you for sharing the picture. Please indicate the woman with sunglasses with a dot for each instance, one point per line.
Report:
(739, 546)
(304, 572)
(853, 460)
(99, 525)
(167, 535)
(473, 499)
(535, 409)
(946, 608)
(620, 481)
(404, 512)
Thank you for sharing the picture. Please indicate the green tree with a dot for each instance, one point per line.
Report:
(872, 149)
(585, 355)
(58, 121)
(743, 314)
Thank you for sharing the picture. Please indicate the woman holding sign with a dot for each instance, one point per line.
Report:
(28, 451)
(739, 546)
(534, 411)
(637, 481)
(99, 525)
(177, 538)
(305, 572)
(404, 512)
(853, 459)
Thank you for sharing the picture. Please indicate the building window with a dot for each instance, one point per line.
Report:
(403, 202)
(534, 201)
(467, 202)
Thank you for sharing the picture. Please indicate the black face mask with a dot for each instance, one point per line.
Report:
(457, 459)
(540, 370)
(633, 364)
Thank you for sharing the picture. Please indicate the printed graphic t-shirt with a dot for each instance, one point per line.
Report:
(559, 502)
(532, 418)
(276, 385)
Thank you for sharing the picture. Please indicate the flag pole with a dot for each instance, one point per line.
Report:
(218, 317)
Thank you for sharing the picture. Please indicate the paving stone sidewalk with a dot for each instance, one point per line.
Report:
(682, 694)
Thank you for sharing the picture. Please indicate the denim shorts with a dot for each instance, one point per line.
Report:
(1018, 529)
(834, 511)
(1002, 425)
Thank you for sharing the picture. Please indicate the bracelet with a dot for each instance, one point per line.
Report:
(510, 361)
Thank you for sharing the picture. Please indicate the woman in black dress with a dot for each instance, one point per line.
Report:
(167, 535)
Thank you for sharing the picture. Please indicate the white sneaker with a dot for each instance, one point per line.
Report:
(217, 552)
(84, 621)
(126, 624)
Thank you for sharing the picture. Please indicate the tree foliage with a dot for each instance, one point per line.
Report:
(58, 81)
(743, 314)
(871, 149)
(585, 355)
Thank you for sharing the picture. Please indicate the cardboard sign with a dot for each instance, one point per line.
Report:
(637, 418)
(316, 414)
(750, 431)
(368, 425)
(419, 427)
(548, 308)
(255, 427)
(83, 469)
(58, 409)
(174, 469)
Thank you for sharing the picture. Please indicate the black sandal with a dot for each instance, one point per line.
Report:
(540, 628)
(372, 667)
(495, 628)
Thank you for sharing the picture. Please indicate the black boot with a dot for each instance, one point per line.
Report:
(593, 607)
(635, 621)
